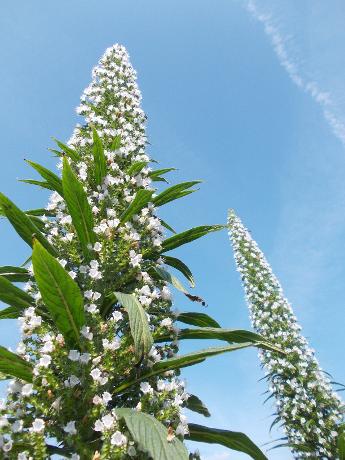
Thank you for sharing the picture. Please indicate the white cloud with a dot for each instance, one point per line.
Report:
(279, 42)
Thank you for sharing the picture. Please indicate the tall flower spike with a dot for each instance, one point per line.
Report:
(307, 406)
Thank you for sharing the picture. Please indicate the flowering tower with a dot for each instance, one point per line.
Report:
(307, 407)
(96, 375)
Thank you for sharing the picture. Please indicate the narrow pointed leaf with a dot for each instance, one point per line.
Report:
(79, 208)
(68, 150)
(159, 172)
(188, 236)
(166, 276)
(15, 274)
(181, 267)
(116, 144)
(197, 319)
(100, 160)
(60, 294)
(173, 193)
(138, 322)
(12, 295)
(341, 446)
(167, 226)
(180, 361)
(194, 404)
(43, 184)
(136, 167)
(141, 199)
(13, 365)
(23, 224)
(152, 436)
(231, 439)
(11, 313)
(51, 178)
(40, 212)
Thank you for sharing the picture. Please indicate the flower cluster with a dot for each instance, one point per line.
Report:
(306, 404)
(73, 397)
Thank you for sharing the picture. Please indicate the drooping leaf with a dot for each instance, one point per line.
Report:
(166, 276)
(173, 193)
(79, 208)
(60, 293)
(231, 439)
(152, 436)
(12, 295)
(15, 366)
(197, 319)
(181, 267)
(52, 179)
(68, 150)
(15, 274)
(141, 199)
(11, 313)
(23, 224)
(116, 144)
(100, 160)
(180, 361)
(160, 172)
(136, 167)
(189, 235)
(167, 226)
(194, 404)
(138, 322)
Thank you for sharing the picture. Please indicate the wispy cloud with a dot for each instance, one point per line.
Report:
(279, 42)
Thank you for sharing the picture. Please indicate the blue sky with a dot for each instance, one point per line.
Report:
(248, 98)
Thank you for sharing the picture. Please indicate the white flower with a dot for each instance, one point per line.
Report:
(131, 451)
(97, 247)
(106, 397)
(7, 446)
(74, 355)
(85, 358)
(85, 331)
(44, 361)
(71, 382)
(48, 347)
(92, 308)
(117, 316)
(70, 428)
(98, 426)
(97, 400)
(114, 345)
(166, 322)
(146, 388)
(108, 421)
(75, 457)
(22, 456)
(118, 439)
(165, 293)
(38, 425)
(27, 389)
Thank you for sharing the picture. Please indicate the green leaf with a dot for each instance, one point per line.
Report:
(23, 224)
(116, 144)
(136, 167)
(180, 361)
(68, 150)
(15, 274)
(181, 267)
(40, 212)
(159, 172)
(188, 236)
(152, 436)
(194, 404)
(173, 193)
(39, 183)
(60, 294)
(231, 439)
(52, 179)
(79, 208)
(99, 158)
(138, 322)
(197, 319)
(141, 199)
(166, 276)
(14, 296)
(167, 226)
(341, 446)
(229, 335)
(13, 365)
(11, 313)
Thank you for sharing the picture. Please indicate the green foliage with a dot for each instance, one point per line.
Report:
(60, 294)
(11, 364)
(52, 179)
(196, 405)
(141, 199)
(100, 160)
(14, 296)
(197, 319)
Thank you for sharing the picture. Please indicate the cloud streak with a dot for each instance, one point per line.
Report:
(279, 43)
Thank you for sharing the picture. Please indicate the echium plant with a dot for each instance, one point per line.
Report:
(96, 374)
(307, 406)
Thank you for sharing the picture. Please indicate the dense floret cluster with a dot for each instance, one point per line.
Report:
(73, 396)
(306, 404)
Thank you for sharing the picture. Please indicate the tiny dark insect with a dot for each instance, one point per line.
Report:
(195, 298)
